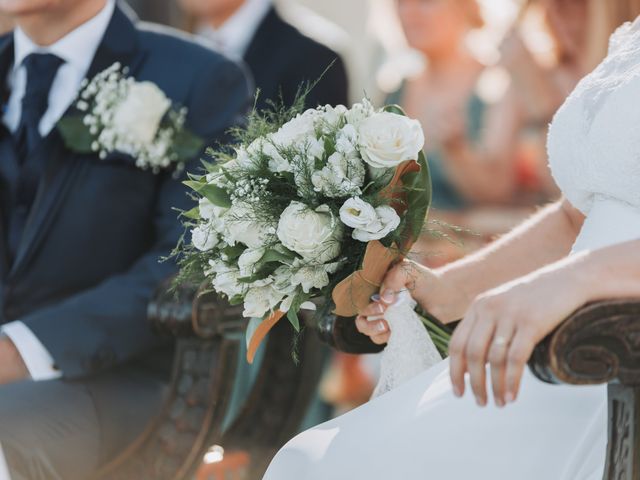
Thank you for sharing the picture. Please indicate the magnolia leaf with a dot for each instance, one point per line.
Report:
(397, 109)
(75, 133)
(418, 187)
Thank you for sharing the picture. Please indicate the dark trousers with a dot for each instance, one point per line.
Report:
(62, 430)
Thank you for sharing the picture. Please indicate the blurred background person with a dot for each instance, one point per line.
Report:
(279, 56)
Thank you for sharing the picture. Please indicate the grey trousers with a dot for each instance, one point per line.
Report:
(61, 430)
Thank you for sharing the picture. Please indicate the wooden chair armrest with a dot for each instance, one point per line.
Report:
(600, 343)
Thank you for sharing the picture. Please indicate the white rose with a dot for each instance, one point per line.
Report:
(387, 139)
(242, 226)
(204, 237)
(343, 176)
(314, 234)
(368, 223)
(139, 115)
(261, 300)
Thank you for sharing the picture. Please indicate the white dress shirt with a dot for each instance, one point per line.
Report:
(77, 49)
(235, 35)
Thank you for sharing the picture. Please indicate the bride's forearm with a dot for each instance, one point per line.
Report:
(609, 273)
(541, 240)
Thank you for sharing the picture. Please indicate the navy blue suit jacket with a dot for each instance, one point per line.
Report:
(281, 58)
(88, 261)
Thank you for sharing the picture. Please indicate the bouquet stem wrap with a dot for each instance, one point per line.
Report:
(410, 350)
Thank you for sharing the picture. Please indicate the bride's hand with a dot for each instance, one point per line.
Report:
(430, 288)
(503, 326)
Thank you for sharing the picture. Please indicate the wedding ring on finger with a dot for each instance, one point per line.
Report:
(374, 318)
(500, 341)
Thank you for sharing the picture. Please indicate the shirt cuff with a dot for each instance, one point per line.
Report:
(35, 356)
(4, 468)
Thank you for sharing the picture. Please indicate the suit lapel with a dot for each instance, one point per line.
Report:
(62, 166)
(257, 55)
(8, 160)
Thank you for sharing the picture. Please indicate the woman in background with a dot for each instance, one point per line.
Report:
(477, 148)
(464, 168)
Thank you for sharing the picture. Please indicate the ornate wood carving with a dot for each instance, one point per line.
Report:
(600, 343)
(209, 332)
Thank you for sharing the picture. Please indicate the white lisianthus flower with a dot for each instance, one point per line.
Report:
(242, 226)
(359, 112)
(343, 176)
(261, 300)
(269, 148)
(247, 261)
(139, 114)
(204, 237)
(347, 141)
(243, 158)
(387, 139)
(298, 130)
(226, 279)
(314, 234)
(315, 148)
(332, 117)
(211, 212)
(368, 223)
(310, 276)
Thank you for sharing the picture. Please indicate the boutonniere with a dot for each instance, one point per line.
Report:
(116, 113)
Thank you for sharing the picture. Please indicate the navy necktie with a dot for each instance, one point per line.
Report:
(41, 70)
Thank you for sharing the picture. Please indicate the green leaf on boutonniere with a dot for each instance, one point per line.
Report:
(186, 144)
(75, 133)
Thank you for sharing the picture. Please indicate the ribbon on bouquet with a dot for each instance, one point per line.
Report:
(410, 350)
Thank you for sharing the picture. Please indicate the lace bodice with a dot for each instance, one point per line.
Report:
(594, 140)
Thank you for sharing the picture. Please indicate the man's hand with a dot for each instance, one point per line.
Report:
(12, 367)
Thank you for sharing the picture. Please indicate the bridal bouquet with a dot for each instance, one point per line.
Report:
(311, 205)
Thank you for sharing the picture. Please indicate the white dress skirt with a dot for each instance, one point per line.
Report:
(420, 430)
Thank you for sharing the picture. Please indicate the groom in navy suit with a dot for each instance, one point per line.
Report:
(81, 238)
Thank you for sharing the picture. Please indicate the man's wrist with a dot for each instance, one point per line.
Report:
(13, 367)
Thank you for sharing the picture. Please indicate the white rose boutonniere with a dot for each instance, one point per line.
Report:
(115, 113)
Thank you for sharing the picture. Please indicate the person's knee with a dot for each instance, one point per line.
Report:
(28, 462)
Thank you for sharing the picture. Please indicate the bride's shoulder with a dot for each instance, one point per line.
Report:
(621, 35)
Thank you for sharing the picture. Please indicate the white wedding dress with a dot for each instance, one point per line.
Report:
(420, 430)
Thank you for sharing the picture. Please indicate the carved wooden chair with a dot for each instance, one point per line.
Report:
(598, 344)
(208, 333)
